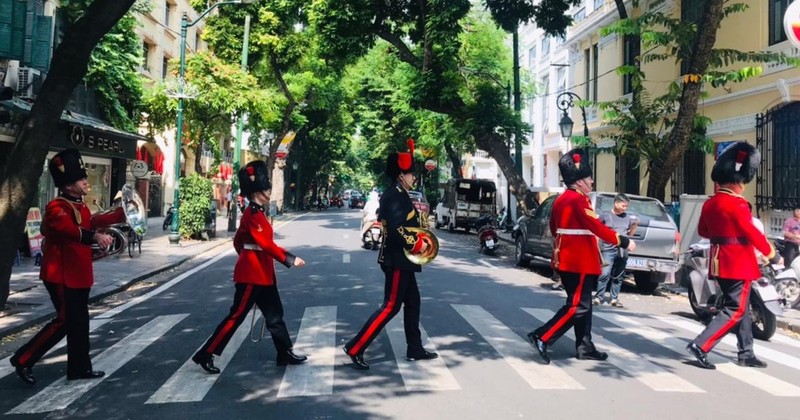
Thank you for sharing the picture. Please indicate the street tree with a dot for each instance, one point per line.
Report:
(224, 93)
(426, 36)
(660, 128)
(20, 170)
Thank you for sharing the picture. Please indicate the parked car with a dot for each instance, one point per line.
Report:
(657, 238)
(357, 201)
(421, 205)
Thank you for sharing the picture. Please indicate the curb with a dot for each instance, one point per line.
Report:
(42, 315)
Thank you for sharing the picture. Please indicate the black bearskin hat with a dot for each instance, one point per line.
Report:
(737, 164)
(400, 163)
(253, 177)
(574, 166)
(67, 167)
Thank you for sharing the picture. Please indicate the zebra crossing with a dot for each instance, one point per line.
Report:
(317, 336)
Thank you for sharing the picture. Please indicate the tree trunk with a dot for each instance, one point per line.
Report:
(455, 160)
(500, 152)
(661, 169)
(20, 177)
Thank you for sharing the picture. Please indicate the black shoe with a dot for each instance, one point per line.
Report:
(289, 358)
(358, 360)
(206, 361)
(540, 346)
(749, 362)
(89, 374)
(700, 355)
(592, 355)
(425, 355)
(24, 373)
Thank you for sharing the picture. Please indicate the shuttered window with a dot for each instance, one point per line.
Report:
(12, 29)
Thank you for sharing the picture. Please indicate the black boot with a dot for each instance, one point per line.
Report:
(24, 373)
(540, 346)
(89, 374)
(358, 360)
(206, 361)
(425, 355)
(749, 362)
(289, 358)
(592, 355)
(700, 355)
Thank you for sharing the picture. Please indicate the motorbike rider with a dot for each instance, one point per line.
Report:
(369, 213)
(726, 221)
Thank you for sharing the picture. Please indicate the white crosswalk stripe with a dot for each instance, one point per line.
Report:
(516, 351)
(316, 338)
(5, 364)
(749, 376)
(190, 383)
(655, 377)
(428, 375)
(62, 393)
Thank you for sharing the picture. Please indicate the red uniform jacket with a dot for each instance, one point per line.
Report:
(253, 242)
(575, 227)
(68, 228)
(727, 222)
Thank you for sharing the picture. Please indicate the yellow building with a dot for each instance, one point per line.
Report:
(764, 111)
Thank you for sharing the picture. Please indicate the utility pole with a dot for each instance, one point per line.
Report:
(517, 111)
(237, 149)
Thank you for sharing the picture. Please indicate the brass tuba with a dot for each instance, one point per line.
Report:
(430, 253)
(135, 222)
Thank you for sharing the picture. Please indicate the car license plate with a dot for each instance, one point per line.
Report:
(489, 243)
(634, 262)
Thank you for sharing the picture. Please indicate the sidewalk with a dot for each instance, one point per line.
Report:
(789, 320)
(29, 302)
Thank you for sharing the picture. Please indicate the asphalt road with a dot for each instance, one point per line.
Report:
(476, 311)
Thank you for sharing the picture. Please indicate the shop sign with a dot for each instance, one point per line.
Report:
(283, 148)
(791, 23)
(139, 168)
(102, 143)
(33, 228)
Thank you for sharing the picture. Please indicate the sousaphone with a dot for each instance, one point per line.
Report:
(135, 220)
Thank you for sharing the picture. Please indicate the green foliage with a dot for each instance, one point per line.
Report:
(195, 195)
(549, 15)
(114, 66)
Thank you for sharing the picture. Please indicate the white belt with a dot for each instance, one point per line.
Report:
(562, 231)
(252, 247)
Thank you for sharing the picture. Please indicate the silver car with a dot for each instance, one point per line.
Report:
(657, 238)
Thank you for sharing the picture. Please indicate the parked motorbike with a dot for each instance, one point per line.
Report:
(373, 236)
(787, 281)
(706, 299)
(487, 235)
(168, 217)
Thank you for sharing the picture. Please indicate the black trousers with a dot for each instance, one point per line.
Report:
(400, 288)
(72, 321)
(790, 252)
(268, 301)
(734, 315)
(576, 312)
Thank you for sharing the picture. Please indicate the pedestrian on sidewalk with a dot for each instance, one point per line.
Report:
(397, 213)
(254, 274)
(791, 236)
(576, 258)
(726, 221)
(614, 258)
(69, 231)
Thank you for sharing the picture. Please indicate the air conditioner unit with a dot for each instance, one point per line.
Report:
(29, 81)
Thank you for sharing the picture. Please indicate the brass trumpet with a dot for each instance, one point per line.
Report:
(430, 253)
(135, 220)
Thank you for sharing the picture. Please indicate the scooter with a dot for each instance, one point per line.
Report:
(706, 299)
(487, 235)
(168, 217)
(373, 236)
(787, 281)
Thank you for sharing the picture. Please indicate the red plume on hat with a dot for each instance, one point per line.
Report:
(403, 162)
(577, 159)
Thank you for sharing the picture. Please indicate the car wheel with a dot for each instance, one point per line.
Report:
(520, 258)
(451, 228)
(647, 281)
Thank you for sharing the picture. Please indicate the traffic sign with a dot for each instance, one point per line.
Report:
(138, 168)
(430, 164)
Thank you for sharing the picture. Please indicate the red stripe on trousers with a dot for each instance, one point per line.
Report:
(735, 318)
(382, 316)
(576, 299)
(52, 329)
(232, 321)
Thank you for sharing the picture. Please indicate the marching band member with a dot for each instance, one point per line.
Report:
(69, 230)
(726, 221)
(254, 274)
(576, 257)
(396, 212)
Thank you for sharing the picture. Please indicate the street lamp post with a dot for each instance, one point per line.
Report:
(237, 148)
(174, 235)
(565, 101)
